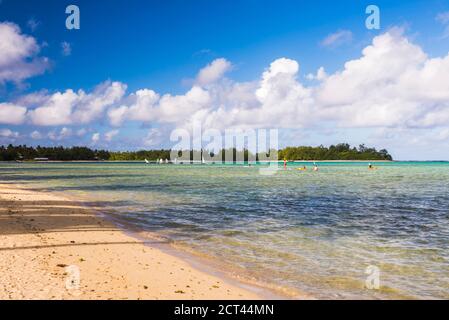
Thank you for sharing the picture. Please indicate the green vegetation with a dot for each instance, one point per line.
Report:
(11, 153)
(139, 155)
(341, 151)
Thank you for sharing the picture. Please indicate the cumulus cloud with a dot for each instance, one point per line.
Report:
(56, 110)
(12, 113)
(276, 100)
(141, 107)
(7, 133)
(95, 138)
(19, 55)
(62, 134)
(213, 71)
(320, 75)
(154, 137)
(118, 115)
(224, 104)
(69, 107)
(392, 84)
(146, 106)
(36, 135)
(337, 38)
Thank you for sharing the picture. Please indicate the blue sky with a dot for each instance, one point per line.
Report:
(162, 46)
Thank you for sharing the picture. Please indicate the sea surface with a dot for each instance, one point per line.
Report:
(329, 234)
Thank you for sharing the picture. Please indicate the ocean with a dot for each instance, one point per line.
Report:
(327, 233)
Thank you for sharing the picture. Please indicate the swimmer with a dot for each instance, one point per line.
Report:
(315, 167)
(371, 167)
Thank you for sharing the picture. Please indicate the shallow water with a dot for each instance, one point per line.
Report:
(316, 232)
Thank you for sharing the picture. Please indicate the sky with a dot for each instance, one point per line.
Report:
(137, 70)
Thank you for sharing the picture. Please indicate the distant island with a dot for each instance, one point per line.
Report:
(342, 151)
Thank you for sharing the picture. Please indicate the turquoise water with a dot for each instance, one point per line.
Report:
(315, 232)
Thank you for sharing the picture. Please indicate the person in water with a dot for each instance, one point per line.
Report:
(315, 167)
(370, 166)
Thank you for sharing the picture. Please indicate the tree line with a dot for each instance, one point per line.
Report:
(342, 151)
(23, 152)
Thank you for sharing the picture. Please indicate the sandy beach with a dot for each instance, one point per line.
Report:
(55, 248)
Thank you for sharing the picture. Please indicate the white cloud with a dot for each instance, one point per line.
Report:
(36, 135)
(337, 38)
(12, 114)
(118, 115)
(65, 132)
(33, 99)
(393, 84)
(92, 106)
(181, 107)
(108, 136)
(141, 107)
(95, 138)
(7, 133)
(320, 75)
(146, 106)
(71, 107)
(18, 59)
(213, 71)
(66, 48)
(62, 134)
(277, 100)
(56, 110)
(154, 137)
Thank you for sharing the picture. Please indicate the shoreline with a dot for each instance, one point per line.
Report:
(46, 239)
